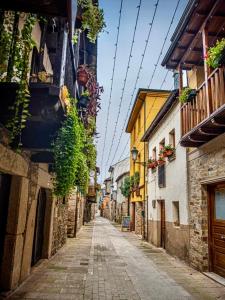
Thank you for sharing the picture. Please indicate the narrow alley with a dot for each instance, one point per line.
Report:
(105, 263)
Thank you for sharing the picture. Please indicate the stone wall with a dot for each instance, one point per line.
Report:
(138, 218)
(59, 225)
(75, 201)
(206, 165)
(27, 179)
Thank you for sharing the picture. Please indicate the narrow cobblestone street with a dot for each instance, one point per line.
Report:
(104, 263)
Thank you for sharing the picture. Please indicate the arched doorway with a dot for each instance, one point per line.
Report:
(38, 240)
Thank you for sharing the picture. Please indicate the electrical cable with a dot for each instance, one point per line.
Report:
(125, 80)
(112, 80)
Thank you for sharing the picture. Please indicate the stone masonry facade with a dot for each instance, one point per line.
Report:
(27, 180)
(206, 165)
(75, 211)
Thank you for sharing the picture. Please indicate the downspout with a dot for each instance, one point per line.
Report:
(144, 217)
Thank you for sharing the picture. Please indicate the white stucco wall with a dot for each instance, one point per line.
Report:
(120, 168)
(176, 171)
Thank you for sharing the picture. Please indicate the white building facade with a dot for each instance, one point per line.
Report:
(167, 209)
(119, 172)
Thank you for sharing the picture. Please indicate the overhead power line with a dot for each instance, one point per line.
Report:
(153, 74)
(138, 76)
(164, 43)
(112, 80)
(163, 82)
(125, 79)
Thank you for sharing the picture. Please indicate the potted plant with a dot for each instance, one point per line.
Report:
(168, 151)
(152, 163)
(161, 161)
(83, 75)
(187, 95)
(216, 55)
(84, 99)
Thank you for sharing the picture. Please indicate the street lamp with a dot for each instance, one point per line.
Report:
(134, 153)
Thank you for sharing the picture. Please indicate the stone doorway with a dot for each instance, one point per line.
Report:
(5, 183)
(38, 240)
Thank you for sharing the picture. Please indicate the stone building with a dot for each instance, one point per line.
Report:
(33, 221)
(76, 204)
(167, 183)
(203, 127)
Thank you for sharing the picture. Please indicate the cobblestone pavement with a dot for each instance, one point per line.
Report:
(104, 263)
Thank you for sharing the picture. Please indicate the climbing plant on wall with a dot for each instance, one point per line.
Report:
(74, 153)
(14, 65)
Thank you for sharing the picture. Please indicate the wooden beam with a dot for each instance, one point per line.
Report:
(207, 70)
(195, 34)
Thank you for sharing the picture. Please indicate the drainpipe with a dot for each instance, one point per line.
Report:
(144, 217)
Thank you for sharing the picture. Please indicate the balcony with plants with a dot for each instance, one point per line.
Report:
(201, 52)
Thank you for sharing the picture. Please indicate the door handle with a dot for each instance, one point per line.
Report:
(222, 237)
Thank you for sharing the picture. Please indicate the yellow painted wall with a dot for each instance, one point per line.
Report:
(153, 101)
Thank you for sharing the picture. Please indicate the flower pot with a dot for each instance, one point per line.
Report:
(83, 101)
(82, 77)
(161, 162)
(151, 165)
(191, 95)
(168, 153)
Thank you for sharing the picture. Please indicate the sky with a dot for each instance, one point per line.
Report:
(106, 52)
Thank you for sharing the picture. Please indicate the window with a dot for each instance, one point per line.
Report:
(154, 153)
(161, 176)
(176, 213)
(172, 138)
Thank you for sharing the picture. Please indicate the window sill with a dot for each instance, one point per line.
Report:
(172, 157)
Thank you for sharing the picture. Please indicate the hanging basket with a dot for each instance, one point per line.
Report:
(82, 76)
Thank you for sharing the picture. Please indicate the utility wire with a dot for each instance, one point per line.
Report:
(164, 43)
(112, 80)
(138, 76)
(153, 74)
(163, 82)
(125, 80)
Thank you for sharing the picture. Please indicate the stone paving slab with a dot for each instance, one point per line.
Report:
(104, 263)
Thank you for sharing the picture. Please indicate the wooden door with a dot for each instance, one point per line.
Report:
(5, 183)
(39, 227)
(217, 229)
(133, 216)
(162, 224)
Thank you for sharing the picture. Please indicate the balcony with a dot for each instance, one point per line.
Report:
(203, 118)
(47, 113)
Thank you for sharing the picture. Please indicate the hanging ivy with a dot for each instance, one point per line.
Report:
(74, 154)
(16, 46)
(92, 19)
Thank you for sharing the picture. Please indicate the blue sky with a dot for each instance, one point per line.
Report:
(106, 49)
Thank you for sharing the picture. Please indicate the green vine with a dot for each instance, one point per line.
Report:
(18, 70)
(92, 19)
(126, 187)
(75, 155)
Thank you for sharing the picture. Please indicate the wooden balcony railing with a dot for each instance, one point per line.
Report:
(205, 103)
